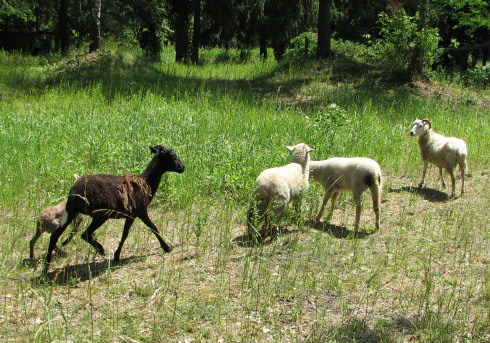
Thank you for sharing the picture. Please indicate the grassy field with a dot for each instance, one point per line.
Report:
(422, 277)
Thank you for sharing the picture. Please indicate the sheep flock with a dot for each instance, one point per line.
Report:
(127, 197)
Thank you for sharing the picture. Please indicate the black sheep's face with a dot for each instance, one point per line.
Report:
(169, 159)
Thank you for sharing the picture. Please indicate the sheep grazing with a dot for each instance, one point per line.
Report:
(49, 220)
(444, 152)
(277, 187)
(341, 174)
(106, 197)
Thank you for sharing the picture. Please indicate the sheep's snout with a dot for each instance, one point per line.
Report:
(412, 133)
(179, 167)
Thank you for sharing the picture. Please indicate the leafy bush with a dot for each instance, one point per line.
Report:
(301, 47)
(405, 50)
(478, 76)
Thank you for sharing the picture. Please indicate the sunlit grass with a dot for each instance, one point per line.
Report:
(422, 277)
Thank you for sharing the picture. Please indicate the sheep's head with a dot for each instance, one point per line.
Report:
(301, 152)
(168, 158)
(419, 127)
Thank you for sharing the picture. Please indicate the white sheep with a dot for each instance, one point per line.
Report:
(444, 152)
(277, 187)
(342, 174)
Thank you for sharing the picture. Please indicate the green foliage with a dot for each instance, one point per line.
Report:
(406, 50)
(301, 48)
(472, 16)
(477, 77)
(328, 121)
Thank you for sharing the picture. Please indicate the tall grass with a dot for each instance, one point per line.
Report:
(412, 280)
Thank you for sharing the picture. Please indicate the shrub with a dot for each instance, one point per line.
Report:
(405, 50)
(301, 47)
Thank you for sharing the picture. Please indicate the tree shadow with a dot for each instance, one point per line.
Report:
(75, 274)
(336, 231)
(429, 194)
(119, 77)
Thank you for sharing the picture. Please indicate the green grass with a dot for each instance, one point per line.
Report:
(422, 277)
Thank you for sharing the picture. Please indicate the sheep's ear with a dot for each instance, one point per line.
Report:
(426, 121)
(310, 149)
(290, 147)
(153, 150)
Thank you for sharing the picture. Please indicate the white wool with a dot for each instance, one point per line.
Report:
(355, 175)
(443, 152)
(277, 187)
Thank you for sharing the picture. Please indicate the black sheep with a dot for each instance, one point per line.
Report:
(104, 197)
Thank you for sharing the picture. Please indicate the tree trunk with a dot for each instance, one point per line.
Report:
(95, 44)
(63, 28)
(324, 33)
(263, 46)
(419, 63)
(196, 32)
(182, 35)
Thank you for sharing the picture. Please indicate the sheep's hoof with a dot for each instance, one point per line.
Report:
(168, 249)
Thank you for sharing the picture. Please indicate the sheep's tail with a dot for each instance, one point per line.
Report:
(64, 218)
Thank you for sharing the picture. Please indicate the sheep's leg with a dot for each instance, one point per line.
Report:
(332, 204)
(327, 196)
(127, 226)
(251, 222)
(52, 245)
(376, 202)
(88, 234)
(34, 239)
(357, 200)
(73, 232)
(65, 221)
(442, 178)
(280, 203)
(421, 183)
(462, 168)
(154, 229)
(453, 181)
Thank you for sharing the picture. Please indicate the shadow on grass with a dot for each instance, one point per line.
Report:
(429, 194)
(358, 330)
(118, 77)
(247, 240)
(338, 231)
(74, 274)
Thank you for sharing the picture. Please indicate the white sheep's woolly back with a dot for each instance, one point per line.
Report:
(344, 174)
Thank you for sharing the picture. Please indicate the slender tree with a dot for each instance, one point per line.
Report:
(95, 44)
(324, 33)
(418, 62)
(63, 33)
(182, 12)
(196, 33)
